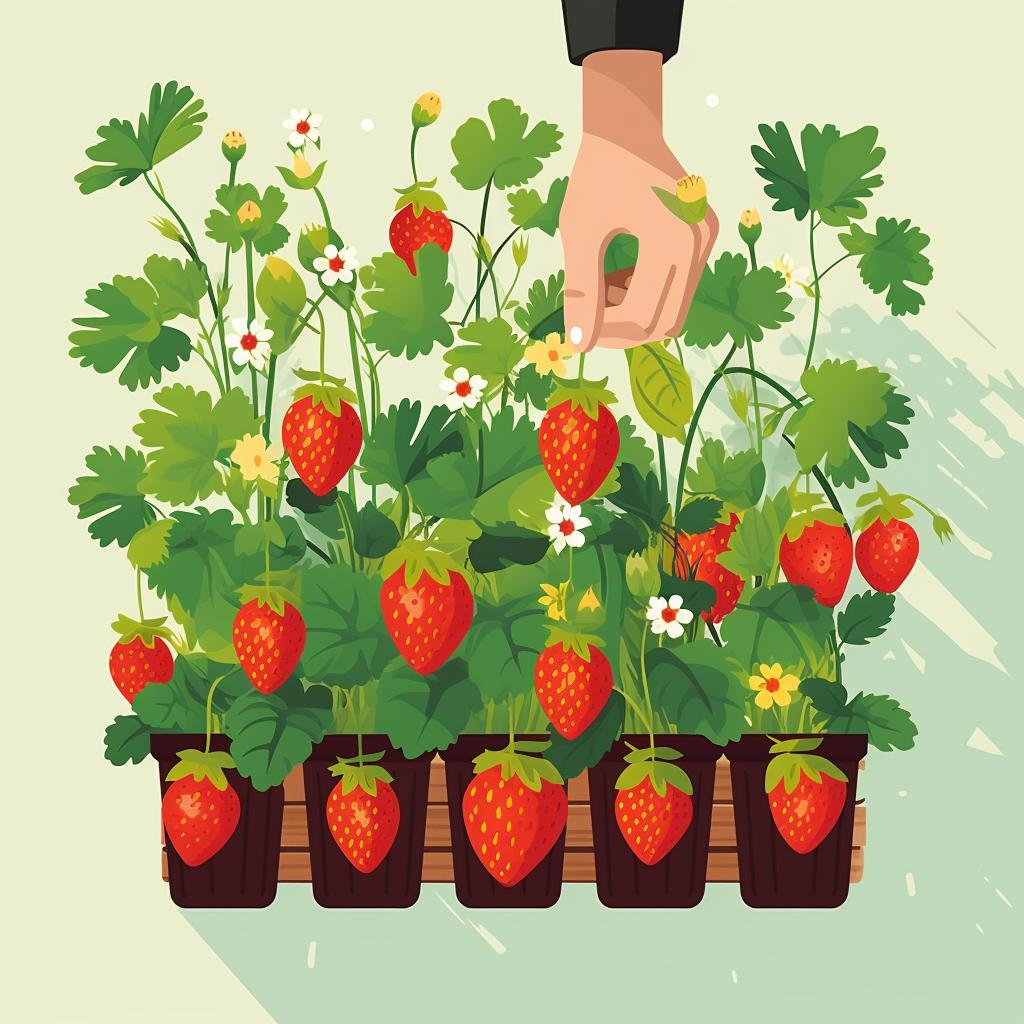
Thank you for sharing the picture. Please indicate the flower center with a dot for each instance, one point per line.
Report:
(463, 389)
(248, 342)
(771, 685)
(302, 127)
(567, 526)
(552, 355)
(336, 264)
(669, 614)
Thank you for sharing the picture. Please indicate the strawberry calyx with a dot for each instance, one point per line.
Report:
(324, 389)
(201, 764)
(360, 772)
(418, 558)
(422, 196)
(809, 508)
(656, 764)
(522, 760)
(885, 507)
(588, 395)
(273, 589)
(573, 639)
(146, 630)
(792, 758)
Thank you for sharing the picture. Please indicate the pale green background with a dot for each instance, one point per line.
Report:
(89, 932)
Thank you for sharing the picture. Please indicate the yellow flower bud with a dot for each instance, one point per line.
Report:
(589, 601)
(233, 139)
(166, 228)
(426, 109)
(691, 189)
(691, 199)
(750, 218)
(233, 146)
(248, 212)
(750, 226)
(300, 165)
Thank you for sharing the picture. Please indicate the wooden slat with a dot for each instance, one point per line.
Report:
(579, 866)
(578, 831)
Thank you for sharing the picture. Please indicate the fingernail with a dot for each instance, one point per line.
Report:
(576, 335)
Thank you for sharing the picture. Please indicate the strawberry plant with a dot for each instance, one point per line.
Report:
(522, 549)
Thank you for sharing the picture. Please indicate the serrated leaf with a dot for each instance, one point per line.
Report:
(754, 545)
(501, 649)
(110, 494)
(149, 546)
(736, 479)
(503, 151)
(865, 617)
(126, 739)
(878, 443)
(506, 544)
(891, 260)
(527, 210)
(399, 448)
(543, 311)
(699, 515)
(493, 351)
(888, 726)
(662, 389)
(265, 232)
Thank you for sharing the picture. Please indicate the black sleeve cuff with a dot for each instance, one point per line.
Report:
(592, 25)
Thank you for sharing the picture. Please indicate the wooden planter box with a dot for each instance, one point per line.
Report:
(579, 852)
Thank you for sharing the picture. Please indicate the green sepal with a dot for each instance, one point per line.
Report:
(639, 754)
(272, 589)
(518, 763)
(147, 630)
(880, 504)
(662, 774)
(809, 508)
(330, 396)
(691, 213)
(802, 745)
(361, 773)
(574, 640)
(292, 180)
(788, 767)
(583, 394)
(199, 765)
(418, 559)
(422, 196)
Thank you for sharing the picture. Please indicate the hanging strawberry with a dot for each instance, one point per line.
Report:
(141, 655)
(200, 809)
(363, 811)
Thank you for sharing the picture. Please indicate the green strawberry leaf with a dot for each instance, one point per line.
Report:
(191, 438)
(180, 704)
(662, 389)
(891, 260)
(421, 713)
(504, 152)
(281, 294)
(754, 545)
(527, 210)
(149, 546)
(265, 231)
(408, 309)
(501, 649)
(506, 544)
(543, 312)
(865, 617)
(877, 443)
(493, 351)
(888, 726)
(110, 494)
(640, 496)
(124, 152)
(272, 733)
(737, 480)
(732, 302)
(532, 388)
(699, 515)
(399, 449)
(571, 757)
(126, 739)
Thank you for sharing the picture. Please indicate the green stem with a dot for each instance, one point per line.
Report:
(511, 726)
(488, 272)
(647, 689)
(227, 248)
(138, 592)
(662, 466)
(269, 400)
(753, 255)
(412, 151)
(637, 710)
(357, 372)
(817, 298)
(511, 289)
(348, 533)
(757, 403)
(209, 709)
(323, 209)
(483, 230)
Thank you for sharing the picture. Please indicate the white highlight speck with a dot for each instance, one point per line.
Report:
(735, 979)
(1002, 896)
(451, 909)
(366, 124)
(711, 99)
(490, 939)
(311, 955)
(979, 741)
(902, 792)
(919, 663)
(981, 931)
(911, 884)
(576, 335)
(889, 656)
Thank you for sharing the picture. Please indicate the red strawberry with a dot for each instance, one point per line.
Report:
(415, 225)
(821, 558)
(322, 436)
(886, 552)
(427, 619)
(268, 643)
(652, 823)
(510, 825)
(807, 799)
(200, 809)
(140, 656)
(702, 550)
(573, 680)
(363, 813)
(578, 451)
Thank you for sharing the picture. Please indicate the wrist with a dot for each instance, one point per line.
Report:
(622, 97)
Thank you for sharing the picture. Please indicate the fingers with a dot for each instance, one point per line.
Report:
(584, 284)
(636, 319)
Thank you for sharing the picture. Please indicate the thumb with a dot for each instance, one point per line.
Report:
(584, 289)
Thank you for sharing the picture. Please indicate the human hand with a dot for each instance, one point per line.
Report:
(622, 156)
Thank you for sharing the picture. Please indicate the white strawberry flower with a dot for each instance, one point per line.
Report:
(304, 127)
(250, 343)
(668, 616)
(336, 265)
(463, 389)
(567, 525)
(797, 278)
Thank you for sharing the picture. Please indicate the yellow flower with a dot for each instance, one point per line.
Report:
(750, 218)
(691, 189)
(426, 109)
(554, 600)
(773, 686)
(548, 354)
(300, 166)
(234, 139)
(589, 601)
(248, 211)
(255, 459)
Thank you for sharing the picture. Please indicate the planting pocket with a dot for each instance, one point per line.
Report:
(242, 873)
(395, 881)
(772, 871)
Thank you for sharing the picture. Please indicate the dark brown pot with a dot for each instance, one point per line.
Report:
(677, 880)
(474, 885)
(396, 881)
(243, 873)
(772, 874)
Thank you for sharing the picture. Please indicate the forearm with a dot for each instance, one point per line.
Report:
(622, 97)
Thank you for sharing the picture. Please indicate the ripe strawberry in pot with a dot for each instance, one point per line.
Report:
(200, 809)
(362, 811)
(420, 220)
(806, 793)
(141, 655)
